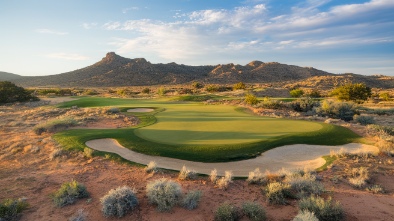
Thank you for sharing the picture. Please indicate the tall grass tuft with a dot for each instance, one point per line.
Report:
(164, 193)
(55, 125)
(68, 193)
(186, 174)
(213, 176)
(151, 167)
(256, 177)
(277, 192)
(117, 202)
(225, 181)
(305, 215)
(323, 209)
(359, 177)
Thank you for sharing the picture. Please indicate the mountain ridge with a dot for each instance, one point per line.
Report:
(114, 70)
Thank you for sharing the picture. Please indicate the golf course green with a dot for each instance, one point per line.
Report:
(198, 132)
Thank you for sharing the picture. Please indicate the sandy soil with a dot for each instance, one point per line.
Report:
(289, 157)
(26, 170)
(141, 110)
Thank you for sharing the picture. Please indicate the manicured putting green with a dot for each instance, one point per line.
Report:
(217, 124)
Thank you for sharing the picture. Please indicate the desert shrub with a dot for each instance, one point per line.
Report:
(277, 192)
(164, 193)
(225, 181)
(254, 211)
(251, 99)
(227, 212)
(364, 120)
(375, 189)
(304, 183)
(359, 177)
(323, 209)
(151, 167)
(87, 152)
(385, 96)
(270, 103)
(381, 131)
(304, 104)
(239, 86)
(55, 125)
(68, 193)
(185, 91)
(213, 176)
(80, 215)
(357, 93)
(296, 93)
(191, 199)
(305, 215)
(314, 93)
(161, 91)
(212, 88)
(90, 92)
(145, 90)
(112, 110)
(119, 201)
(197, 85)
(57, 153)
(9, 93)
(186, 174)
(342, 110)
(10, 209)
(256, 177)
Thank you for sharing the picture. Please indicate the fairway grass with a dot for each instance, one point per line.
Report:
(205, 133)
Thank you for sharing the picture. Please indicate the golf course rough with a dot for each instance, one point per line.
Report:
(206, 133)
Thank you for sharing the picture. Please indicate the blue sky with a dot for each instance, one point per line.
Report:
(44, 37)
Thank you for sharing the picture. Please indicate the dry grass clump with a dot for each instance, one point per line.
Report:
(375, 189)
(305, 215)
(254, 211)
(227, 212)
(164, 193)
(256, 177)
(304, 183)
(192, 199)
(10, 209)
(225, 181)
(186, 174)
(151, 167)
(55, 125)
(119, 201)
(68, 193)
(277, 192)
(87, 152)
(323, 209)
(213, 176)
(359, 177)
(58, 152)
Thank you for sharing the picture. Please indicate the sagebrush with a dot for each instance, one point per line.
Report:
(164, 193)
(117, 202)
(68, 193)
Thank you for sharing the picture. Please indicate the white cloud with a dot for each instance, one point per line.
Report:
(125, 10)
(49, 31)
(67, 56)
(89, 25)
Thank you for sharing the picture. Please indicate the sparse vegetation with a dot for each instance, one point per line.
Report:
(9, 93)
(325, 210)
(68, 193)
(164, 193)
(146, 90)
(364, 120)
(296, 92)
(342, 110)
(225, 181)
(213, 176)
(305, 215)
(251, 99)
(191, 200)
(151, 167)
(357, 93)
(254, 211)
(197, 85)
(239, 86)
(10, 209)
(359, 177)
(80, 215)
(256, 177)
(304, 183)
(186, 174)
(227, 212)
(117, 202)
(162, 91)
(270, 103)
(55, 125)
(277, 192)
(375, 189)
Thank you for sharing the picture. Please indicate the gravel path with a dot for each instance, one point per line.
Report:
(288, 157)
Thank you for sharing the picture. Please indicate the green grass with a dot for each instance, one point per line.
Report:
(205, 133)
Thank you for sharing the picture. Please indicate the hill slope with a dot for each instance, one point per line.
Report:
(5, 76)
(114, 70)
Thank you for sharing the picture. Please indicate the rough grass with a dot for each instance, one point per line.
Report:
(186, 174)
(55, 125)
(277, 192)
(68, 193)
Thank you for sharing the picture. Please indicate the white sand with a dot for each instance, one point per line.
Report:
(288, 157)
(140, 110)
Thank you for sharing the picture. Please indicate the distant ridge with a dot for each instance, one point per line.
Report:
(114, 70)
(5, 76)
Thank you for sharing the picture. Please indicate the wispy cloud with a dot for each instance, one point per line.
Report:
(125, 10)
(89, 25)
(255, 28)
(68, 56)
(49, 31)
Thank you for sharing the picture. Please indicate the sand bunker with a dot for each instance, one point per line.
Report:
(140, 110)
(288, 157)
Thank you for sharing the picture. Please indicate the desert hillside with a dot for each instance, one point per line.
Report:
(114, 70)
(5, 76)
